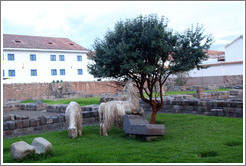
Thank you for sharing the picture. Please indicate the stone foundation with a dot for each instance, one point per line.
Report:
(14, 126)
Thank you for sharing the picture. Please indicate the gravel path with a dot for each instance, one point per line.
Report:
(30, 114)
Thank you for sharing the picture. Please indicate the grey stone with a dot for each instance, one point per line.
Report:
(25, 117)
(20, 150)
(19, 124)
(41, 145)
(11, 125)
(5, 126)
(93, 113)
(12, 116)
(62, 118)
(6, 118)
(49, 120)
(136, 124)
(55, 119)
(18, 117)
(42, 120)
(25, 123)
(86, 114)
(33, 122)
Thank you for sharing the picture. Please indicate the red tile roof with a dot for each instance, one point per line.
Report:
(211, 52)
(39, 42)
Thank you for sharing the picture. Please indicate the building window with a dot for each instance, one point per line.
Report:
(11, 73)
(62, 71)
(33, 72)
(80, 72)
(53, 72)
(32, 57)
(52, 57)
(79, 58)
(11, 57)
(61, 58)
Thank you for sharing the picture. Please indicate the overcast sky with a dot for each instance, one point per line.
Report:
(84, 21)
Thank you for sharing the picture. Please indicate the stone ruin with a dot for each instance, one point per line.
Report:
(138, 126)
(20, 150)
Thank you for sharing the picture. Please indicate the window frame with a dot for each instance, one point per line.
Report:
(52, 57)
(52, 72)
(61, 73)
(61, 57)
(11, 73)
(33, 57)
(34, 71)
(79, 58)
(9, 57)
(80, 73)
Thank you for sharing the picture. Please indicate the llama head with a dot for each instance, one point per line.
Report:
(72, 132)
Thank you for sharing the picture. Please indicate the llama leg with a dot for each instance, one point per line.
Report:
(79, 126)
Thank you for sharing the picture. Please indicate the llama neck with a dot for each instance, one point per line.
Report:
(134, 99)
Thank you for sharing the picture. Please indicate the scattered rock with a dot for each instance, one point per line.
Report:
(41, 145)
(20, 150)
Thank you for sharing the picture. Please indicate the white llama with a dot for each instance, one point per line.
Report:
(74, 118)
(112, 112)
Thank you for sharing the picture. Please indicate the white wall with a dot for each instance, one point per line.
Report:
(218, 70)
(22, 66)
(234, 51)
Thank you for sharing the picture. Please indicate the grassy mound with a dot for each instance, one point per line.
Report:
(188, 139)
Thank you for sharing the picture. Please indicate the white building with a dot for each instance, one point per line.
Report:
(29, 59)
(234, 50)
(232, 64)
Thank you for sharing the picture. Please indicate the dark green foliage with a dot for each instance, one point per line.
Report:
(142, 46)
(147, 51)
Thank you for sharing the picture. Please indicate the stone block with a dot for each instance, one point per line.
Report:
(93, 113)
(41, 145)
(11, 125)
(25, 117)
(19, 124)
(49, 120)
(62, 118)
(20, 150)
(42, 120)
(32, 122)
(12, 116)
(88, 120)
(25, 123)
(6, 118)
(5, 126)
(38, 128)
(86, 114)
(55, 119)
(18, 132)
(138, 125)
(8, 132)
(18, 117)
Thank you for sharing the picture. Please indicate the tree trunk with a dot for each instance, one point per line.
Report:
(153, 115)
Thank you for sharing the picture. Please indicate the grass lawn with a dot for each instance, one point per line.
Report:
(188, 139)
(80, 101)
(96, 100)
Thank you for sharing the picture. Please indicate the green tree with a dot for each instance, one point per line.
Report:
(145, 50)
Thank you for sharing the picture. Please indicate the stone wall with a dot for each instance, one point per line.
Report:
(219, 107)
(17, 126)
(49, 90)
